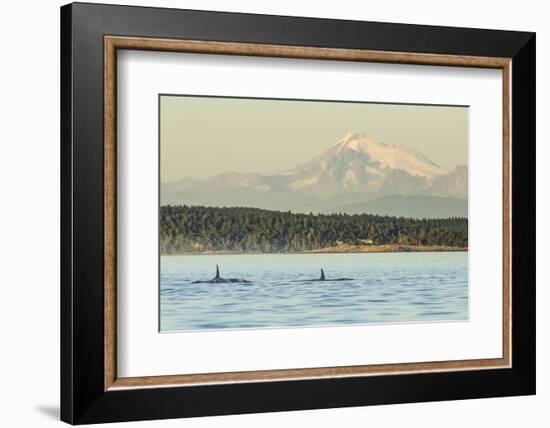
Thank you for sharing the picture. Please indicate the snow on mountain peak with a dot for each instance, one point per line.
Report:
(391, 156)
(359, 142)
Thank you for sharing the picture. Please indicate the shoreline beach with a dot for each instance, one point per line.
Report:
(340, 249)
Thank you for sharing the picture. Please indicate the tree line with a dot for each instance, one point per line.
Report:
(195, 229)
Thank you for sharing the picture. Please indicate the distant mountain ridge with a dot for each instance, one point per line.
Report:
(354, 171)
(419, 206)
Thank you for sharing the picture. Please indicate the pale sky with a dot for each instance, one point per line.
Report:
(202, 137)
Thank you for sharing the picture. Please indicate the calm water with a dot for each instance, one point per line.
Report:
(388, 287)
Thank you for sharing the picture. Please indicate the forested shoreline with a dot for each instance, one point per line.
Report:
(198, 229)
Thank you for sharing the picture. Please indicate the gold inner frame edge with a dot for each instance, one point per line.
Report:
(113, 43)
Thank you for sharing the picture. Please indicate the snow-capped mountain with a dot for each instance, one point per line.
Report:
(356, 169)
(357, 163)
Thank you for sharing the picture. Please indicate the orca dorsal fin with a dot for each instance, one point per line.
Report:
(217, 272)
(322, 275)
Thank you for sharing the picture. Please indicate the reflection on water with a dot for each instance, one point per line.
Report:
(384, 288)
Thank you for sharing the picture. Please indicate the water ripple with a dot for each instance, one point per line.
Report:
(408, 287)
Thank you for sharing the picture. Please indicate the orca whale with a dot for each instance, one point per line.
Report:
(219, 280)
(323, 278)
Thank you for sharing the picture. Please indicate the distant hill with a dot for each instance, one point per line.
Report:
(185, 229)
(408, 206)
(356, 168)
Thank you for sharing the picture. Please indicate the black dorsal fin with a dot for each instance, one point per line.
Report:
(217, 272)
(322, 275)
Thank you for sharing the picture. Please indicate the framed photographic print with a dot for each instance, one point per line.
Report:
(265, 213)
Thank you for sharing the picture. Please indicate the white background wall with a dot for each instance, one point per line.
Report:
(29, 218)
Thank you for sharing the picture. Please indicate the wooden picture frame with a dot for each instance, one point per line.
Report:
(91, 390)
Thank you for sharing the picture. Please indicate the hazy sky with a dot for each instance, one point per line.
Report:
(203, 137)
